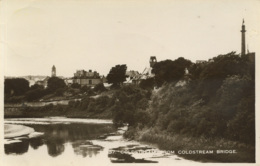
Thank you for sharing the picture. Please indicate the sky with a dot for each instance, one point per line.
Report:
(99, 34)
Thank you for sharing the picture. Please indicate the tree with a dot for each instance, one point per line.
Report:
(233, 89)
(35, 94)
(213, 74)
(16, 86)
(55, 83)
(147, 83)
(168, 70)
(130, 103)
(36, 86)
(36, 91)
(59, 92)
(117, 75)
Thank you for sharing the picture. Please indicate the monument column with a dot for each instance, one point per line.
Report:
(243, 42)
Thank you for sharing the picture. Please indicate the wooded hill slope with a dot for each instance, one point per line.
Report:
(213, 108)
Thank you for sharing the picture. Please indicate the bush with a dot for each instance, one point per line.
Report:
(100, 88)
(59, 92)
(147, 83)
(75, 86)
(14, 99)
(85, 89)
(36, 86)
(35, 94)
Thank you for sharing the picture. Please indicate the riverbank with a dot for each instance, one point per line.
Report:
(217, 150)
(50, 110)
(96, 142)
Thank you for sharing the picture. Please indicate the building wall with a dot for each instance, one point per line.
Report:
(87, 81)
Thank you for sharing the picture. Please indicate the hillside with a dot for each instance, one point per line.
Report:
(213, 110)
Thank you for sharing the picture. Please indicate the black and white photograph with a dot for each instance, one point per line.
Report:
(126, 82)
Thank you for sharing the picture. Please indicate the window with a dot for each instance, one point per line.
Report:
(90, 82)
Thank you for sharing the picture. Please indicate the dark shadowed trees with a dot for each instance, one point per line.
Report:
(16, 86)
(168, 70)
(75, 86)
(117, 75)
(35, 94)
(218, 102)
(36, 86)
(99, 88)
(147, 83)
(55, 83)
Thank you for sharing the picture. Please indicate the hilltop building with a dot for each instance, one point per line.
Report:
(132, 77)
(87, 78)
(43, 82)
(68, 81)
(135, 77)
(147, 73)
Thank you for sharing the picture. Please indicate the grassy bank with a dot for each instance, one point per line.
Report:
(48, 111)
(187, 146)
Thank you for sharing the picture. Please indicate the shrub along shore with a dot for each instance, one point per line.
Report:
(200, 149)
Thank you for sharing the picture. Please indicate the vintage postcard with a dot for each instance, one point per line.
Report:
(116, 82)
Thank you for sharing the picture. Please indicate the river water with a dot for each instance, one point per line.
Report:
(64, 141)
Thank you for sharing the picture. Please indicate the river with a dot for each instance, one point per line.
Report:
(67, 142)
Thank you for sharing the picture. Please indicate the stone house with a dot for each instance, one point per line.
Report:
(87, 78)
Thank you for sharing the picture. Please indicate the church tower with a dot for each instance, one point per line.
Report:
(152, 61)
(243, 42)
(53, 71)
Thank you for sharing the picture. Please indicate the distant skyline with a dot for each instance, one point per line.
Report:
(99, 34)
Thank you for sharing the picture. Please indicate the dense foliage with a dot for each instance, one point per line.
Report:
(55, 83)
(147, 83)
(125, 105)
(36, 92)
(130, 105)
(217, 102)
(99, 88)
(75, 86)
(117, 75)
(168, 70)
(16, 86)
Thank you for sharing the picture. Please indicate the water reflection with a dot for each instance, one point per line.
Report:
(119, 157)
(55, 149)
(86, 148)
(35, 143)
(17, 147)
(56, 135)
(78, 144)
